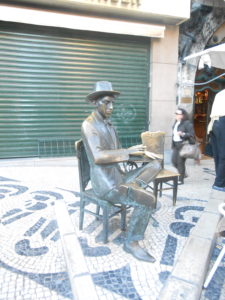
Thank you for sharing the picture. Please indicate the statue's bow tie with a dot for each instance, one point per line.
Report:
(107, 122)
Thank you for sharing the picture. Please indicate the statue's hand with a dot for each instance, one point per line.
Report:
(137, 150)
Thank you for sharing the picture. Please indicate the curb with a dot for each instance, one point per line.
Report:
(187, 277)
(80, 279)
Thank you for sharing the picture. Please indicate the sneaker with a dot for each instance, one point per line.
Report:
(218, 188)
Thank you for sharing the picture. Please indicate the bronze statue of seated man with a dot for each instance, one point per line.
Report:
(108, 180)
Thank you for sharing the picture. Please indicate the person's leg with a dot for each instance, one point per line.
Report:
(220, 175)
(179, 162)
(215, 143)
(220, 170)
(181, 167)
(175, 154)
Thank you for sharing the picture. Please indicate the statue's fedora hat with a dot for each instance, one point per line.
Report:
(102, 88)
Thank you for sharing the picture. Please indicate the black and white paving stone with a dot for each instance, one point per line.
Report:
(31, 257)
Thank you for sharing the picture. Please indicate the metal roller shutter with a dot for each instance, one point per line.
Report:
(45, 76)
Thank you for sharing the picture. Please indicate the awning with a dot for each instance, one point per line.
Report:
(214, 56)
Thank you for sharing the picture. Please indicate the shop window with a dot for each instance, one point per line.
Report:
(200, 116)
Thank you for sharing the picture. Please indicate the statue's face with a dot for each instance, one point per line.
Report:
(105, 106)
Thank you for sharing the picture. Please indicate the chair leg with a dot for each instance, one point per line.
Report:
(105, 224)
(123, 218)
(215, 266)
(155, 191)
(97, 211)
(81, 220)
(155, 223)
(160, 188)
(175, 184)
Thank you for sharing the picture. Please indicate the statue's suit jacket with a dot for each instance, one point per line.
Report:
(100, 138)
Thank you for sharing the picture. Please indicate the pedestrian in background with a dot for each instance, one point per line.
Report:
(216, 129)
(183, 130)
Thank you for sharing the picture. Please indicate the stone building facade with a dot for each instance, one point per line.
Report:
(204, 29)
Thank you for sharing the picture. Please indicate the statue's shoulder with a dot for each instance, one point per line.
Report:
(89, 122)
(88, 119)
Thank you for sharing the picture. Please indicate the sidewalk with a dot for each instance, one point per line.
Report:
(33, 259)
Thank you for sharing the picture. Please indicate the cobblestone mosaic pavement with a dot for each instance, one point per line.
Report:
(216, 287)
(31, 257)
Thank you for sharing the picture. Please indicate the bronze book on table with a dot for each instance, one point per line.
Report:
(148, 154)
(153, 155)
(154, 142)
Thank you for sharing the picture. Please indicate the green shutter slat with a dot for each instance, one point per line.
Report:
(45, 76)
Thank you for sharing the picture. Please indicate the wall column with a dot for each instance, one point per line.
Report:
(163, 82)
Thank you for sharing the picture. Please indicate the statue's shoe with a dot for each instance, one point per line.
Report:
(138, 252)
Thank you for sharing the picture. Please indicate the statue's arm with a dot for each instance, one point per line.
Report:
(94, 143)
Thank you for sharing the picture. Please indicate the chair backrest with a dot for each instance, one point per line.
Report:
(83, 165)
(154, 141)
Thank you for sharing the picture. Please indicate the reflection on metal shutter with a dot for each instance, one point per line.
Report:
(45, 76)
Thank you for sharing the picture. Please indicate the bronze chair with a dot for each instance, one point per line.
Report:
(88, 196)
(154, 141)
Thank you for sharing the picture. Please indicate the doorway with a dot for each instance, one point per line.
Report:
(203, 100)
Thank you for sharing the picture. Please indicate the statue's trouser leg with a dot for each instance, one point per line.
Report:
(144, 174)
(140, 217)
(138, 223)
